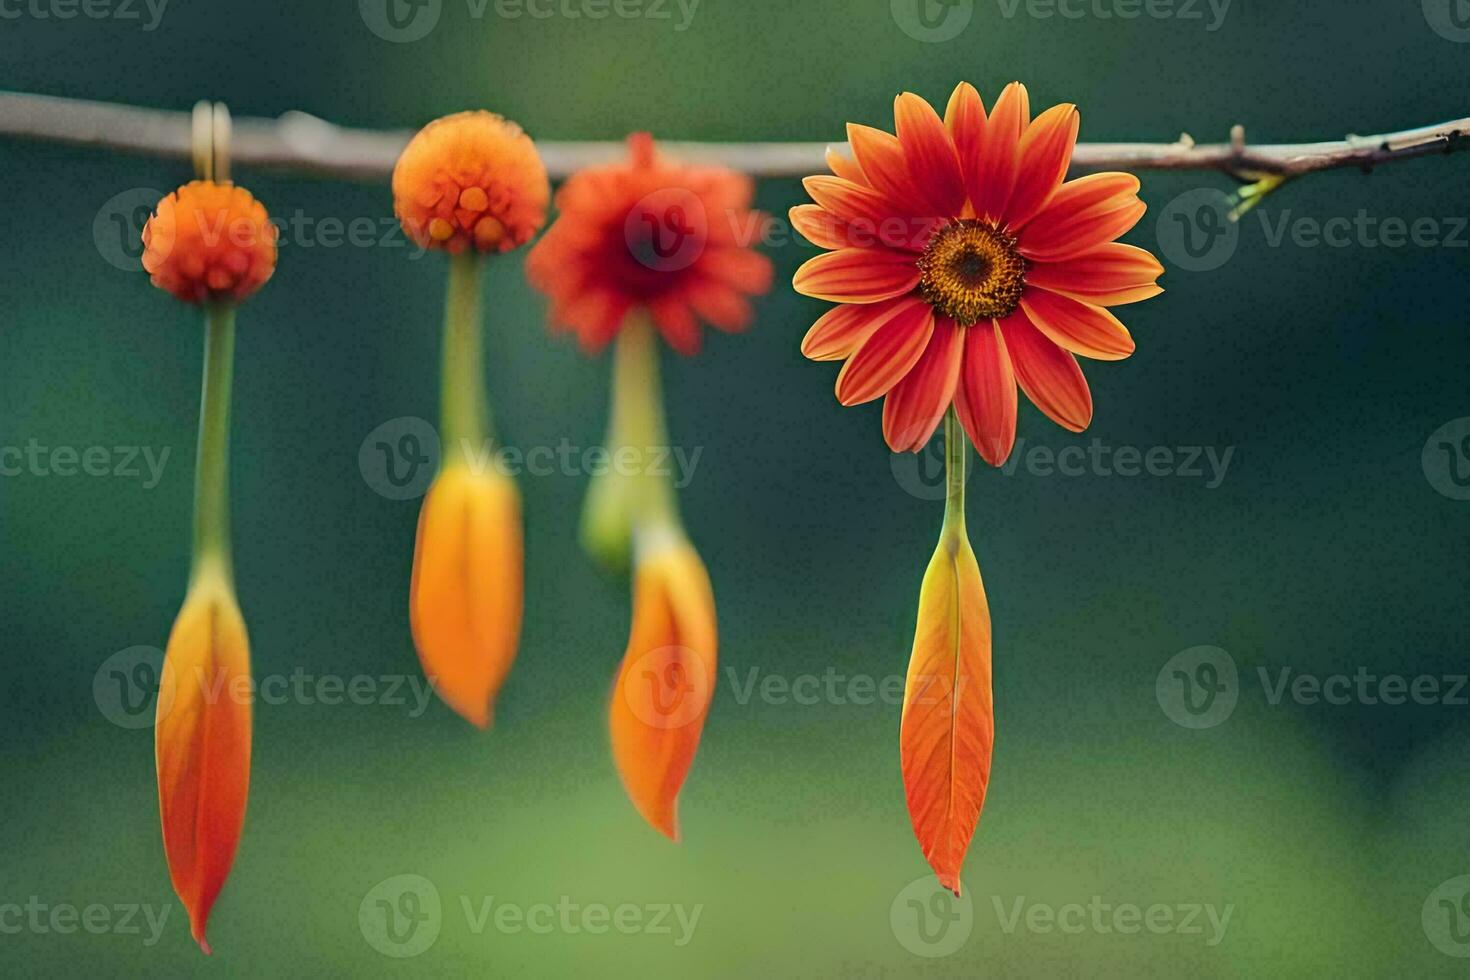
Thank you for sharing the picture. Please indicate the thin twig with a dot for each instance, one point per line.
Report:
(301, 142)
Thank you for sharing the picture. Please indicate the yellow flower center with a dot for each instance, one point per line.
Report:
(972, 272)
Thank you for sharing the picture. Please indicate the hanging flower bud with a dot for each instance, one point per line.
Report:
(666, 682)
(202, 742)
(465, 600)
(469, 184)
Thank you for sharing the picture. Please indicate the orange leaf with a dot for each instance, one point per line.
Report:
(948, 727)
(666, 682)
(202, 744)
(465, 597)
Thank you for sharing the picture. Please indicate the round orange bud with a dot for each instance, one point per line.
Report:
(471, 180)
(209, 241)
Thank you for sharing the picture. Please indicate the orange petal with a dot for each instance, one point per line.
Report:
(820, 227)
(202, 744)
(964, 117)
(1000, 156)
(1046, 153)
(882, 158)
(849, 201)
(1083, 329)
(1110, 275)
(1049, 375)
(985, 398)
(887, 355)
(948, 729)
(465, 597)
(916, 405)
(933, 165)
(858, 275)
(843, 329)
(666, 682)
(1082, 215)
(719, 305)
(844, 166)
(743, 268)
(676, 323)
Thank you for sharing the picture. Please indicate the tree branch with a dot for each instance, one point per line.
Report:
(303, 143)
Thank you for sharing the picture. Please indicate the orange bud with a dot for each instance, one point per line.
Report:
(667, 679)
(471, 180)
(209, 241)
(948, 727)
(465, 599)
(202, 744)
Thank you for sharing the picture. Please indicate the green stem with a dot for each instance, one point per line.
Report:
(637, 421)
(212, 473)
(956, 453)
(464, 416)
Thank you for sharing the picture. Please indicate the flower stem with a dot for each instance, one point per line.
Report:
(635, 491)
(956, 455)
(212, 473)
(464, 416)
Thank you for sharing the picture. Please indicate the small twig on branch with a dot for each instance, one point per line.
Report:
(303, 143)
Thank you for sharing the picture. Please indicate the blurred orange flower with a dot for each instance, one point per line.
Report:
(966, 266)
(472, 179)
(209, 241)
(652, 233)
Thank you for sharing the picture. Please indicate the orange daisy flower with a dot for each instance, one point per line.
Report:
(965, 267)
(651, 233)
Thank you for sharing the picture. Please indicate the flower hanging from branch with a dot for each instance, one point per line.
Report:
(644, 249)
(964, 266)
(472, 185)
(209, 244)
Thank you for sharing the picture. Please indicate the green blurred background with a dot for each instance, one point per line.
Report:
(1326, 548)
